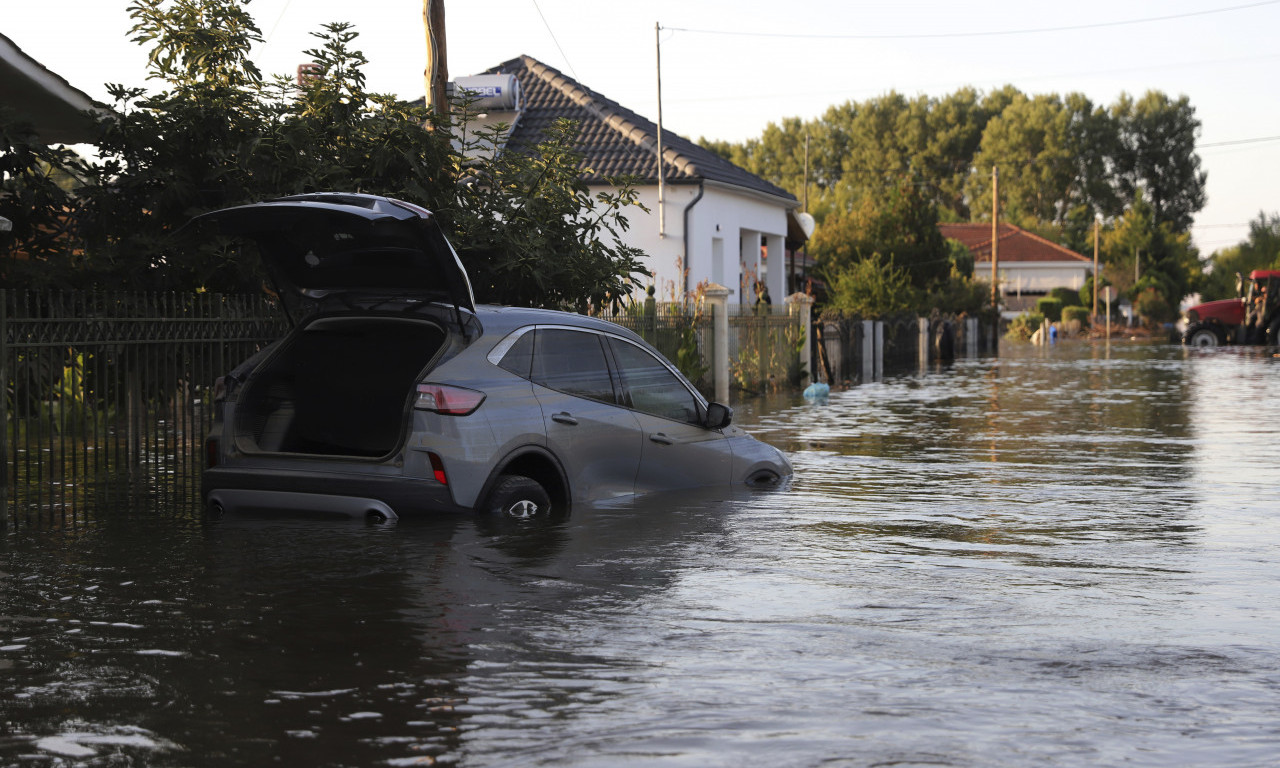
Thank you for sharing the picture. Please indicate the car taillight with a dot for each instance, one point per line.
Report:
(451, 401)
(211, 452)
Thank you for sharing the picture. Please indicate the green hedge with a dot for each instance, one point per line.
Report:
(1076, 313)
(1050, 307)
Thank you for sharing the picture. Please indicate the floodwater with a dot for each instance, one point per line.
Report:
(1064, 556)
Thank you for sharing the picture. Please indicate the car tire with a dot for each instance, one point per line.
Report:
(1203, 337)
(519, 498)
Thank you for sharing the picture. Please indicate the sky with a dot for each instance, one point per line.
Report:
(731, 67)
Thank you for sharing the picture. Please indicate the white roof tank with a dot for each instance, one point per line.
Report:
(490, 93)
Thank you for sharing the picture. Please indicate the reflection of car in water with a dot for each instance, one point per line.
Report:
(395, 393)
(1251, 318)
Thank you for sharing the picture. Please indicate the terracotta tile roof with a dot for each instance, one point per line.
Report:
(1016, 244)
(615, 140)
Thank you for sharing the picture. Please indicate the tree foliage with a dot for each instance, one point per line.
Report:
(902, 225)
(1064, 163)
(1150, 261)
(873, 287)
(217, 134)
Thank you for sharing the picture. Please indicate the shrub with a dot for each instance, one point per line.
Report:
(1050, 307)
(1075, 314)
(1070, 297)
(1022, 326)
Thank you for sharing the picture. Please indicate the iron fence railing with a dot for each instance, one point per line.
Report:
(107, 396)
(764, 341)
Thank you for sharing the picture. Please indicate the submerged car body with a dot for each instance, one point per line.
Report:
(396, 394)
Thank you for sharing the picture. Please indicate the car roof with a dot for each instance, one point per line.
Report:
(502, 320)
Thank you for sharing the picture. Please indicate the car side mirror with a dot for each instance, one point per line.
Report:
(718, 416)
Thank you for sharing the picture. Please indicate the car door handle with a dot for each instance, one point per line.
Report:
(564, 418)
(660, 438)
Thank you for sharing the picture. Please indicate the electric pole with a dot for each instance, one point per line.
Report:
(1096, 277)
(995, 242)
(436, 74)
(662, 213)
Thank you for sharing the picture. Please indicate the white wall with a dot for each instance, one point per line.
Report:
(725, 230)
(1037, 277)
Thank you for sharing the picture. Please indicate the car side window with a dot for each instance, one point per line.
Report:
(519, 359)
(572, 362)
(652, 387)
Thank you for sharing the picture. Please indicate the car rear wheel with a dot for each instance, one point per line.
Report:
(1203, 337)
(516, 497)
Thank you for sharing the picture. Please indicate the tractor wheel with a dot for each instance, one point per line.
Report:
(1203, 336)
(1273, 333)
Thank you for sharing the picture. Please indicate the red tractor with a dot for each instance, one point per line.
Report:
(1253, 318)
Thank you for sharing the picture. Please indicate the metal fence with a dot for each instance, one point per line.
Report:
(764, 347)
(764, 342)
(852, 350)
(107, 396)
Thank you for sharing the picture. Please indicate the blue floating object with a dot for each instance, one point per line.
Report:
(817, 391)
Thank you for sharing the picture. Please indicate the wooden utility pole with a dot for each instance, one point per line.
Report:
(436, 74)
(806, 173)
(662, 188)
(995, 241)
(1096, 277)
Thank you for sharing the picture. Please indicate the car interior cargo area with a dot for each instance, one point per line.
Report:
(340, 387)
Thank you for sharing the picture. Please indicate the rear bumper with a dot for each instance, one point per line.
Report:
(237, 490)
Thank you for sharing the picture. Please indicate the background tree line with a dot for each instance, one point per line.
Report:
(218, 133)
(883, 172)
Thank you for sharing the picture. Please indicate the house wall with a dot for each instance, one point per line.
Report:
(727, 230)
(1036, 277)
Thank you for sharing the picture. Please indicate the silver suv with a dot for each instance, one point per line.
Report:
(396, 394)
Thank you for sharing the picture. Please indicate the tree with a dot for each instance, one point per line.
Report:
(1054, 157)
(873, 287)
(36, 184)
(1157, 139)
(902, 225)
(218, 135)
(530, 234)
(1150, 261)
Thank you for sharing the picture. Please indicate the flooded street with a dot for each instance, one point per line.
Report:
(1064, 556)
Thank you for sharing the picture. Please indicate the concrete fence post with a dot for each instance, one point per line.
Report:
(802, 304)
(922, 326)
(717, 297)
(868, 350)
(879, 373)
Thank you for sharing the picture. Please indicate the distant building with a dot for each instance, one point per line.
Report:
(1029, 265)
(717, 222)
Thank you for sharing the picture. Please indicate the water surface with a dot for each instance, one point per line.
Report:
(1065, 556)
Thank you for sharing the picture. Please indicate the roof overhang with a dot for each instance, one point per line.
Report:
(55, 109)
(789, 203)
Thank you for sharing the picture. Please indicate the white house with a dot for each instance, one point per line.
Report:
(1029, 266)
(714, 222)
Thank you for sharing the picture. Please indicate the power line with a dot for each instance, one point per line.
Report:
(1238, 141)
(557, 42)
(990, 33)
